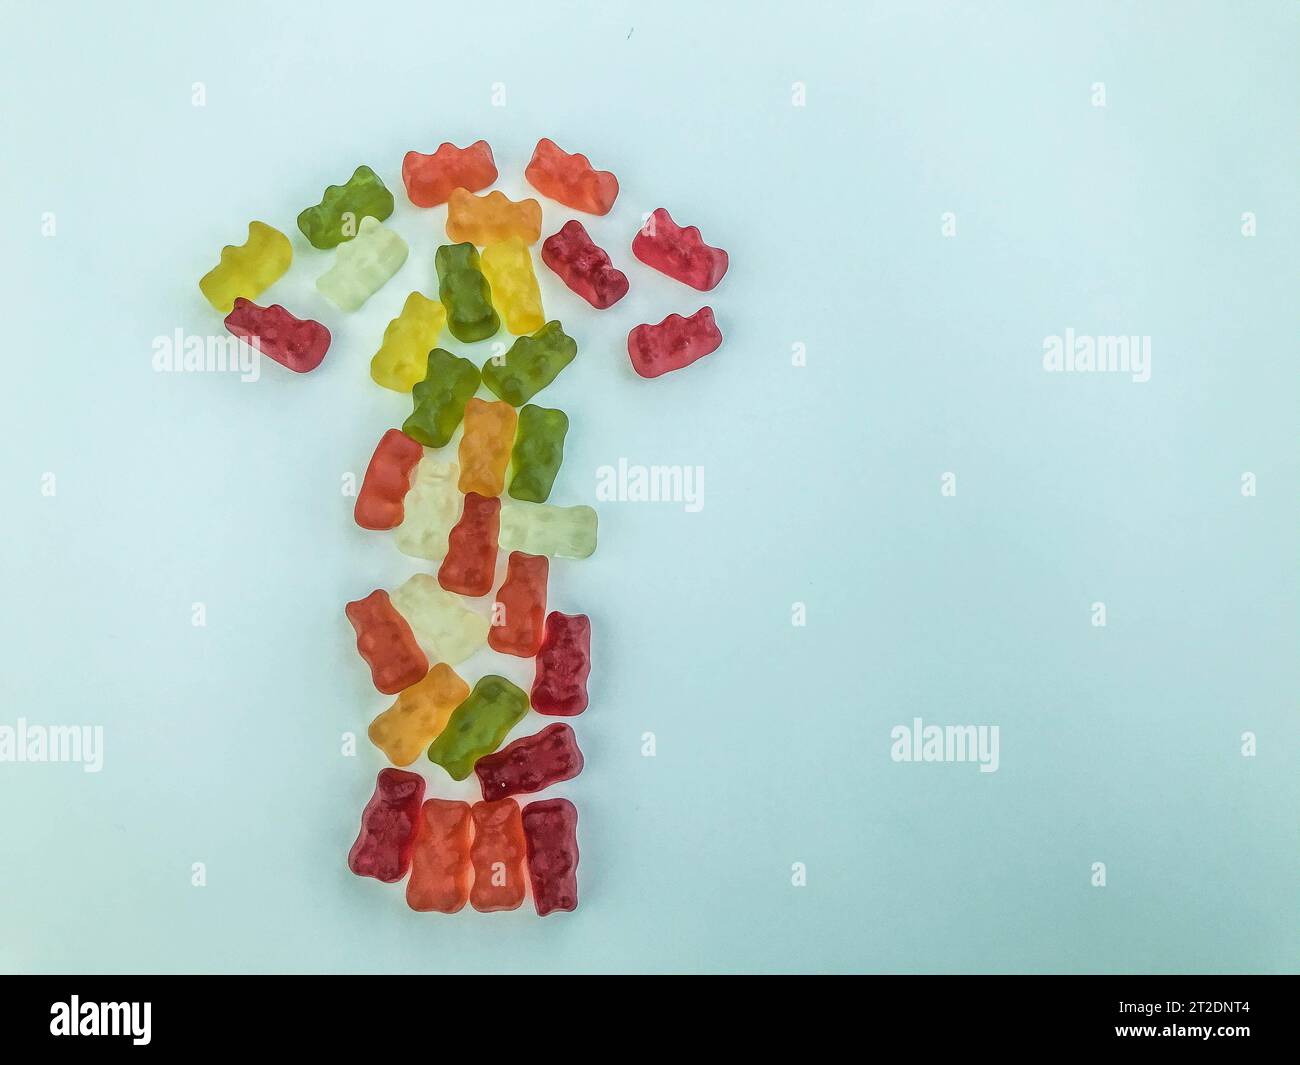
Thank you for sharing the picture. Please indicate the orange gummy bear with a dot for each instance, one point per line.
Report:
(430, 179)
(485, 446)
(498, 856)
(440, 867)
(570, 179)
(406, 728)
(490, 219)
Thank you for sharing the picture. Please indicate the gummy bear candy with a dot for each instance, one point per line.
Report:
(408, 726)
(432, 507)
(247, 269)
(387, 480)
(465, 293)
(521, 606)
(531, 364)
(430, 179)
(478, 725)
(531, 763)
(298, 343)
(388, 827)
(498, 856)
(485, 446)
(679, 252)
(563, 665)
(673, 343)
(543, 529)
(492, 218)
(538, 452)
(341, 210)
(440, 866)
(551, 836)
(387, 644)
(509, 270)
(570, 179)
(585, 268)
(362, 265)
(445, 629)
(449, 382)
(401, 359)
(472, 547)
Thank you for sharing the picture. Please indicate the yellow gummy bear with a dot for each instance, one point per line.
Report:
(407, 727)
(402, 358)
(509, 270)
(247, 269)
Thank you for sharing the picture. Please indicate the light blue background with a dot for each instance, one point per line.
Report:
(1118, 744)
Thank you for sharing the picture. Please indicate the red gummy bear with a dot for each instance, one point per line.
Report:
(530, 763)
(471, 557)
(679, 252)
(673, 343)
(570, 179)
(387, 480)
(386, 642)
(551, 836)
(298, 343)
(584, 267)
(388, 827)
(430, 179)
(563, 665)
(522, 599)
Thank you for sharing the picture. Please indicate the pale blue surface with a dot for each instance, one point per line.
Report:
(1118, 745)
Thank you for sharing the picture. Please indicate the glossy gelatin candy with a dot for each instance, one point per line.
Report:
(519, 614)
(478, 725)
(387, 480)
(679, 252)
(432, 507)
(247, 269)
(498, 856)
(551, 836)
(673, 343)
(563, 665)
(485, 446)
(465, 293)
(362, 265)
(440, 398)
(538, 452)
(530, 763)
(492, 218)
(531, 364)
(386, 642)
(472, 547)
(407, 727)
(445, 629)
(570, 179)
(440, 866)
(509, 270)
(585, 268)
(430, 179)
(297, 343)
(388, 827)
(339, 214)
(400, 361)
(543, 529)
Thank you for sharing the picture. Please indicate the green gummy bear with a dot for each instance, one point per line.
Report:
(465, 293)
(538, 452)
(530, 365)
(364, 194)
(449, 382)
(478, 725)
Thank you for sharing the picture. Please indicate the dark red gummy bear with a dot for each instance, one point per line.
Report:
(551, 838)
(679, 252)
(298, 343)
(389, 825)
(584, 267)
(531, 763)
(563, 665)
(471, 559)
(673, 343)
